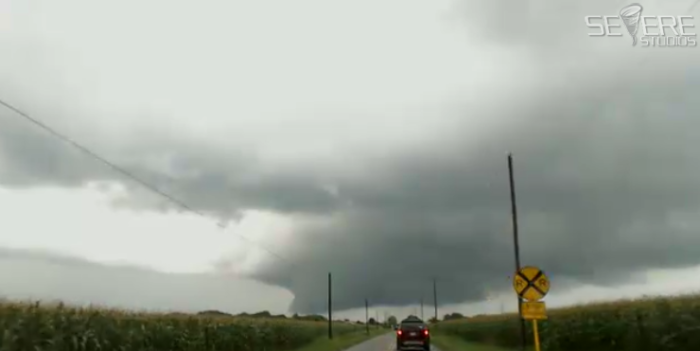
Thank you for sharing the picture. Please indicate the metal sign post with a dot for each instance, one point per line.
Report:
(532, 285)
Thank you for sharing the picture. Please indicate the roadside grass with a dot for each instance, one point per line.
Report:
(446, 342)
(342, 342)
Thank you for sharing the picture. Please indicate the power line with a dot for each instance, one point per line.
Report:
(53, 132)
(693, 6)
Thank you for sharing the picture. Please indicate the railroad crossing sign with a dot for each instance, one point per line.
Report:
(534, 310)
(531, 283)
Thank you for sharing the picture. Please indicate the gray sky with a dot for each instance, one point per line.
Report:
(364, 138)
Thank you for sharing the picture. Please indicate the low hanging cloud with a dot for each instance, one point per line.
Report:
(38, 275)
(603, 137)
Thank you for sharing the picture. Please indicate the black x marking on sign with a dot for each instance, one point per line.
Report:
(531, 283)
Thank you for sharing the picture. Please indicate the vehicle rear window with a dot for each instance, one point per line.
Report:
(412, 325)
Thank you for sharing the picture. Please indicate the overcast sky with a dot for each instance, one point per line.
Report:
(366, 138)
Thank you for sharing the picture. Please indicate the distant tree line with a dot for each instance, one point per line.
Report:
(318, 318)
(268, 315)
(453, 315)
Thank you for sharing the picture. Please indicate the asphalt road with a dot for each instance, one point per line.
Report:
(381, 343)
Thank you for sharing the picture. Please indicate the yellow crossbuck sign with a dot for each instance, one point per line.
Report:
(531, 283)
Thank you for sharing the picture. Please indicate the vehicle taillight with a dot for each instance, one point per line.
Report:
(425, 332)
(399, 332)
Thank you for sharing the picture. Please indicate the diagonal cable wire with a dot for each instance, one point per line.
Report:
(53, 132)
(692, 7)
(103, 160)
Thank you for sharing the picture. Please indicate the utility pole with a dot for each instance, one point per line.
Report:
(516, 245)
(367, 316)
(435, 298)
(421, 309)
(330, 308)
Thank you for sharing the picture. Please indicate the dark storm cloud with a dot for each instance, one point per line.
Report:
(214, 181)
(29, 158)
(608, 179)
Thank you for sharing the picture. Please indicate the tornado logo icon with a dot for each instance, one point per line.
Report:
(631, 14)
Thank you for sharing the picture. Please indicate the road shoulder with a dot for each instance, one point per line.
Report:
(342, 342)
(452, 343)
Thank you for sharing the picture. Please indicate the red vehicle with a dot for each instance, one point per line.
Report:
(413, 334)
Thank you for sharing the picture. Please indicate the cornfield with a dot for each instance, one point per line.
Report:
(30, 326)
(650, 324)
